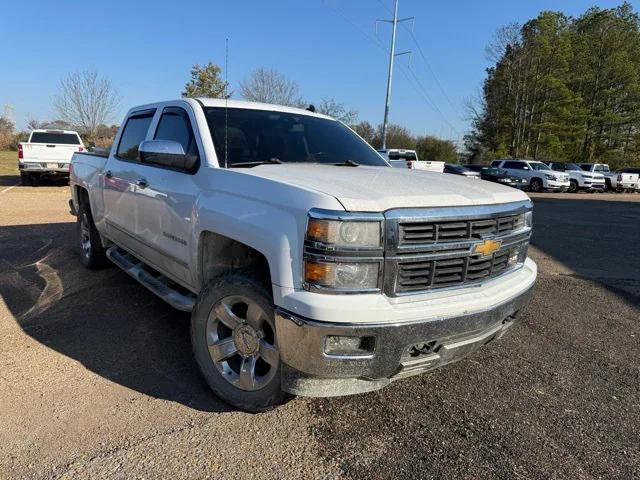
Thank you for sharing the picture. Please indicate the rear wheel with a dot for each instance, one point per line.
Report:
(25, 179)
(234, 341)
(92, 254)
(573, 186)
(536, 185)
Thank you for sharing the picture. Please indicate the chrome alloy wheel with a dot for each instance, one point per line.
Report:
(242, 343)
(85, 236)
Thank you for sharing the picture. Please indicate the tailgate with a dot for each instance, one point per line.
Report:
(40, 152)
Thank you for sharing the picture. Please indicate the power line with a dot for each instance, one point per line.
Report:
(433, 73)
(376, 41)
(427, 64)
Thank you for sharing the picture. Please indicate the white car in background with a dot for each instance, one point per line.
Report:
(617, 181)
(400, 158)
(47, 153)
(579, 179)
(538, 174)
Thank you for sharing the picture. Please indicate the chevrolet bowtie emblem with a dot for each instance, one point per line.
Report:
(488, 247)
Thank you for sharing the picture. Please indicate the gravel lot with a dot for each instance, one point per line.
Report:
(97, 378)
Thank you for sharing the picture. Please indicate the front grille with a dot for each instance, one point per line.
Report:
(441, 247)
(417, 275)
(416, 233)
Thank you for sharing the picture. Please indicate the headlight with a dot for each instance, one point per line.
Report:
(341, 276)
(504, 180)
(549, 176)
(343, 252)
(528, 218)
(344, 233)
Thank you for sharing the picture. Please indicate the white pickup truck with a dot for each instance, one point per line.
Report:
(309, 266)
(47, 153)
(617, 181)
(401, 158)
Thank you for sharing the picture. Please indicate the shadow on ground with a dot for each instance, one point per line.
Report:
(103, 319)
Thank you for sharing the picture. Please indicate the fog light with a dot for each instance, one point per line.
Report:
(341, 345)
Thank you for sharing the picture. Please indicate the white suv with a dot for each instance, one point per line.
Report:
(578, 178)
(538, 174)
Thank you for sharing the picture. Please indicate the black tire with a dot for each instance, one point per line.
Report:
(35, 179)
(92, 253)
(536, 185)
(25, 179)
(573, 186)
(223, 376)
(607, 185)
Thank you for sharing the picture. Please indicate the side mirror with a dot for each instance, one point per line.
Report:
(166, 153)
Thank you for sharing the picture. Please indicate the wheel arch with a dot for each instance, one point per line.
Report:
(218, 254)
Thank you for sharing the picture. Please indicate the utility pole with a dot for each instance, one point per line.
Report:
(392, 55)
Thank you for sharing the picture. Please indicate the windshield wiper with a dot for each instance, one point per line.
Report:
(257, 162)
(348, 163)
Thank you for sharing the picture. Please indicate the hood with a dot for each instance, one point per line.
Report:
(376, 189)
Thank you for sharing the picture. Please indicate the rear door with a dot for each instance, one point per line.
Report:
(517, 169)
(52, 146)
(121, 173)
(165, 205)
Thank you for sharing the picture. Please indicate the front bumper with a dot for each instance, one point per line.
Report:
(557, 185)
(398, 349)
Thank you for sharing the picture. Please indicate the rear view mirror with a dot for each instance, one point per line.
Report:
(166, 153)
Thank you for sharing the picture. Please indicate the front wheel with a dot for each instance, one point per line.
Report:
(234, 341)
(573, 186)
(536, 185)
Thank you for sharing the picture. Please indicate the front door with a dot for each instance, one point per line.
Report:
(165, 203)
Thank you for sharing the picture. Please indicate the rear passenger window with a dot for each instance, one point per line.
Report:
(513, 165)
(135, 131)
(175, 125)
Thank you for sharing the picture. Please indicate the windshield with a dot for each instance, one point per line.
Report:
(572, 166)
(495, 171)
(539, 166)
(252, 137)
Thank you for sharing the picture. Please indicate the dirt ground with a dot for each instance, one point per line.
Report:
(97, 378)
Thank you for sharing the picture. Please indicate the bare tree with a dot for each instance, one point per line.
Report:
(270, 86)
(86, 99)
(337, 110)
(507, 36)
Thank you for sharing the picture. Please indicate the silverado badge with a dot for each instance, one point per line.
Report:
(488, 247)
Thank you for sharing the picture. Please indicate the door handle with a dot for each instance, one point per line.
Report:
(108, 174)
(142, 183)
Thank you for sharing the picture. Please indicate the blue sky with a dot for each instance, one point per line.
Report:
(328, 46)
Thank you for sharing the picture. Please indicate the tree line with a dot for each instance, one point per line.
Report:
(562, 88)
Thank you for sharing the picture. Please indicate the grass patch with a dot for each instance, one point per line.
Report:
(8, 163)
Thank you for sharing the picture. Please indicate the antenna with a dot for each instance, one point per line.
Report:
(226, 101)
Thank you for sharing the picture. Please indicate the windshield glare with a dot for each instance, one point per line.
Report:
(252, 137)
(539, 166)
(572, 166)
